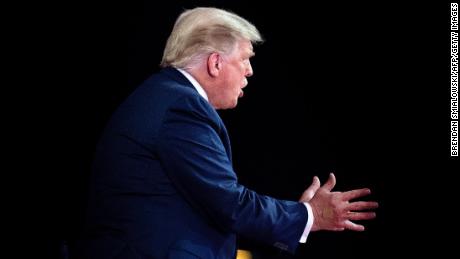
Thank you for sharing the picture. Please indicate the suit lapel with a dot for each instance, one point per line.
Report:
(223, 134)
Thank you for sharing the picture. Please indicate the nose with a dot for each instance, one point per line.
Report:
(249, 70)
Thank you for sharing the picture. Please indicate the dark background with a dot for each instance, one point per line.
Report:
(358, 89)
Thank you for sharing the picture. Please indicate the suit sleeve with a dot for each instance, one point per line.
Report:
(196, 161)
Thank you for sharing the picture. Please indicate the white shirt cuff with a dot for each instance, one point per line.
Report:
(310, 220)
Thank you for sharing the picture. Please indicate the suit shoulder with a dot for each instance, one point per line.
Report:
(166, 88)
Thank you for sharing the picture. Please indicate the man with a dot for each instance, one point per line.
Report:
(163, 185)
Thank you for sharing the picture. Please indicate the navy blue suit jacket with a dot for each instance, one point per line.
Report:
(163, 185)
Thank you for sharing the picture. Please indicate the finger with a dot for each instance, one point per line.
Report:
(361, 215)
(311, 190)
(330, 182)
(352, 226)
(353, 194)
(362, 205)
(315, 184)
(337, 229)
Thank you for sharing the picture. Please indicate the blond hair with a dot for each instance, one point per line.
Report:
(201, 31)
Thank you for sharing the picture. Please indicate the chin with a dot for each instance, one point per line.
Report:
(232, 105)
(227, 106)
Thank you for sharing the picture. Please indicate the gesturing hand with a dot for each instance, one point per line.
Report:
(333, 210)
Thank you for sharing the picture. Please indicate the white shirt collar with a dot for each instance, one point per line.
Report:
(195, 83)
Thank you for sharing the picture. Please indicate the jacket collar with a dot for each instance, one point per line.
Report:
(177, 76)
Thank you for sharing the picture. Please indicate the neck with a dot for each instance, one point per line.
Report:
(205, 80)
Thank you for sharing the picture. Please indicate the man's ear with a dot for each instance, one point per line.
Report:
(214, 64)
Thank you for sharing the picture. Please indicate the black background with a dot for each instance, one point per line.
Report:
(358, 89)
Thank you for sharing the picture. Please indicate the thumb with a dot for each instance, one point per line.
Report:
(308, 194)
(330, 182)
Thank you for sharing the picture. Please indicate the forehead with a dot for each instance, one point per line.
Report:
(244, 47)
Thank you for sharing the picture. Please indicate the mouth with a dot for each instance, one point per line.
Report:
(241, 93)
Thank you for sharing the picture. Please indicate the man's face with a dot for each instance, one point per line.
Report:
(236, 67)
